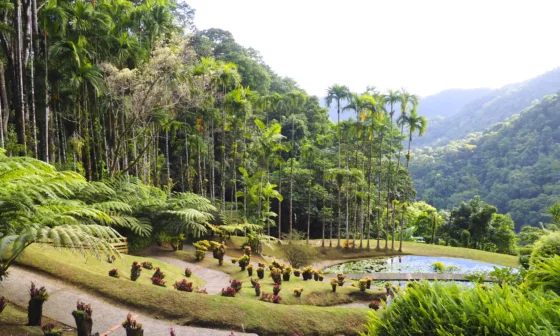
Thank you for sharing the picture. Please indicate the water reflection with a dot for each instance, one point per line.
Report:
(410, 264)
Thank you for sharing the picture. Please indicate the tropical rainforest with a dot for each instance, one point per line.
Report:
(132, 96)
(113, 89)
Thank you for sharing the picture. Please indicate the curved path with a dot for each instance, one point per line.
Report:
(214, 280)
(107, 317)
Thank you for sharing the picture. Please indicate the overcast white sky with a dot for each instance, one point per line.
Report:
(424, 46)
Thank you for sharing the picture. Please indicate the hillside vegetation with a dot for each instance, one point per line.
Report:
(489, 109)
(513, 165)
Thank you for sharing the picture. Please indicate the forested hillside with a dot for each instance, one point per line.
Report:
(117, 88)
(494, 107)
(514, 165)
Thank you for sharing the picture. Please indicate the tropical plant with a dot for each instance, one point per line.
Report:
(453, 308)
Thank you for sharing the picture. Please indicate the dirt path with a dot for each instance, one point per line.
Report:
(107, 317)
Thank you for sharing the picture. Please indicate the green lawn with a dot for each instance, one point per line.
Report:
(409, 248)
(13, 321)
(101, 266)
(242, 312)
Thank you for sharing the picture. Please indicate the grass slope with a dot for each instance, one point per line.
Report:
(242, 312)
(409, 248)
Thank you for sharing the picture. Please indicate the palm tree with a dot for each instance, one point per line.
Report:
(294, 100)
(228, 78)
(391, 99)
(405, 98)
(339, 176)
(337, 93)
(416, 124)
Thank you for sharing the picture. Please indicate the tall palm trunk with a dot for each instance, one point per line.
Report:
(330, 229)
(308, 215)
(395, 187)
(389, 187)
(188, 185)
(324, 223)
(338, 217)
(4, 100)
(18, 92)
(292, 177)
(223, 179)
(1, 127)
(407, 162)
(339, 147)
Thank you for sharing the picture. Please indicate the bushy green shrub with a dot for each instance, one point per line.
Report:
(546, 247)
(448, 309)
(465, 238)
(299, 255)
(438, 267)
(545, 274)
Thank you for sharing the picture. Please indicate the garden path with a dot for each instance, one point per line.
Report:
(214, 280)
(107, 317)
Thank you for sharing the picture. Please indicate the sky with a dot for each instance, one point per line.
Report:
(424, 46)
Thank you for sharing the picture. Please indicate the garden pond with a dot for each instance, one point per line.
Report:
(410, 264)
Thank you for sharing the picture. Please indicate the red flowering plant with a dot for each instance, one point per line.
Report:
(158, 281)
(82, 316)
(236, 284)
(183, 286)
(276, 289)
(270, 298)
(147, 265)
(258, 289)
(230, 291)
(158, 274)
(39, 294)
(50, 330)
(130, 323)
(135, 271)
(114, 273)
(188, 272)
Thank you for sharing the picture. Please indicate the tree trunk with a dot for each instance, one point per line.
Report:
(395, 189)
(308, 216)
(4, 99)
(339, 207)
(378, 247)
(1, 126)
(167, 163)
(18, 91)
(389, 188)
(292, 176)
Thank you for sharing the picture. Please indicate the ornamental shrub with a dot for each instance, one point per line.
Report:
(449, 309)
(546, 247)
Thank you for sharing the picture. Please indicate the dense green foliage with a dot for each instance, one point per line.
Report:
(491, 108)
(547, 246)
(513, 165)
(478, 225)
(450, 309)
(39, 204)
(118, 88)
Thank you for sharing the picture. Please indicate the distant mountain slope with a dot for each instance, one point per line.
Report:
(514, 165)
(496, 106)
(449, 102)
